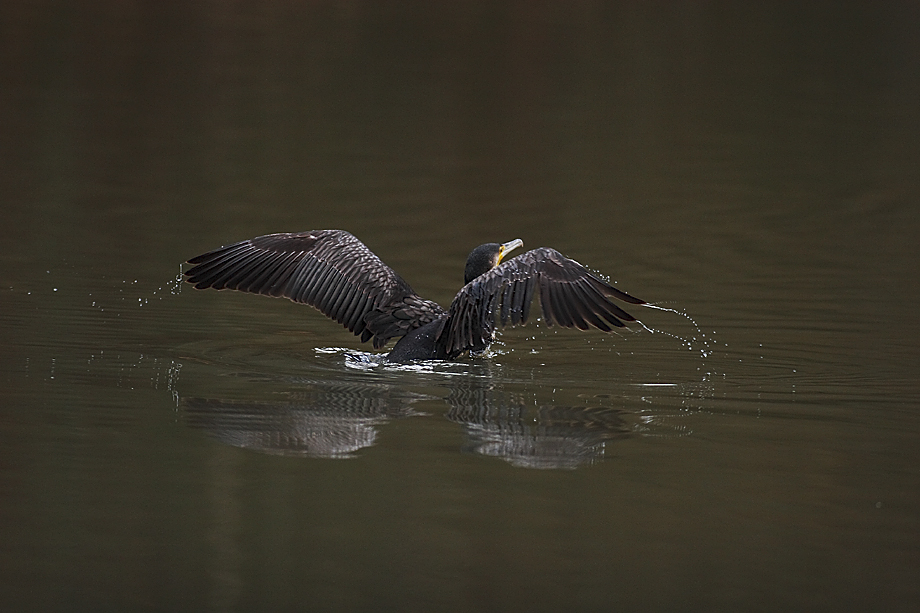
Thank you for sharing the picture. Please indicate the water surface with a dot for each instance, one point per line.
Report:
(750, 170)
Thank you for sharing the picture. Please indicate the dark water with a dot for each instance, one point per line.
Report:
(753, 169)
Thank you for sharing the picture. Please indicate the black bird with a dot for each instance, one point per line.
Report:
(336, 273)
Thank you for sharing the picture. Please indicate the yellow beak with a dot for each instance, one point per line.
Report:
(509, 246)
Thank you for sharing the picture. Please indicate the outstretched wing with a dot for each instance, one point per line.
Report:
(327, 269)
(570, 295)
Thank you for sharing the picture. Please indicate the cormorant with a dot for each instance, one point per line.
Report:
(336, 273)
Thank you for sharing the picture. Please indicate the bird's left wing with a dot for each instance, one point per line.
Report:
(570, 296)
(330, 270)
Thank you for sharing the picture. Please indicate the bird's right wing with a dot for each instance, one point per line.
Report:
(330, 270)
(570, 295)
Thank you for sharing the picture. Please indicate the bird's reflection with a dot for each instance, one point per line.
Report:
(325, 421)
(336, 420)
(516, 428)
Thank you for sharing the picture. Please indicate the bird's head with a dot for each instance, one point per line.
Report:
(484, 258)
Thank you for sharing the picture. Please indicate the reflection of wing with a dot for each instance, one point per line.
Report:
(534, 437)
(325, 424)
(327, 269)
(570, 296)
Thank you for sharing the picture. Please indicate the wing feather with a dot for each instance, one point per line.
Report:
(506, 301)
(527, 299)
(274, 285)
(214, 275)
(559, 308)
(330, 270)
(348, 318)
(593, 309)
(546, 304)
(570, 296)
(260, 272)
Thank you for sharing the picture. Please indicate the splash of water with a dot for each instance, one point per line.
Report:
(706, 349)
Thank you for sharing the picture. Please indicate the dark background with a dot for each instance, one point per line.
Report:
(752, 167)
